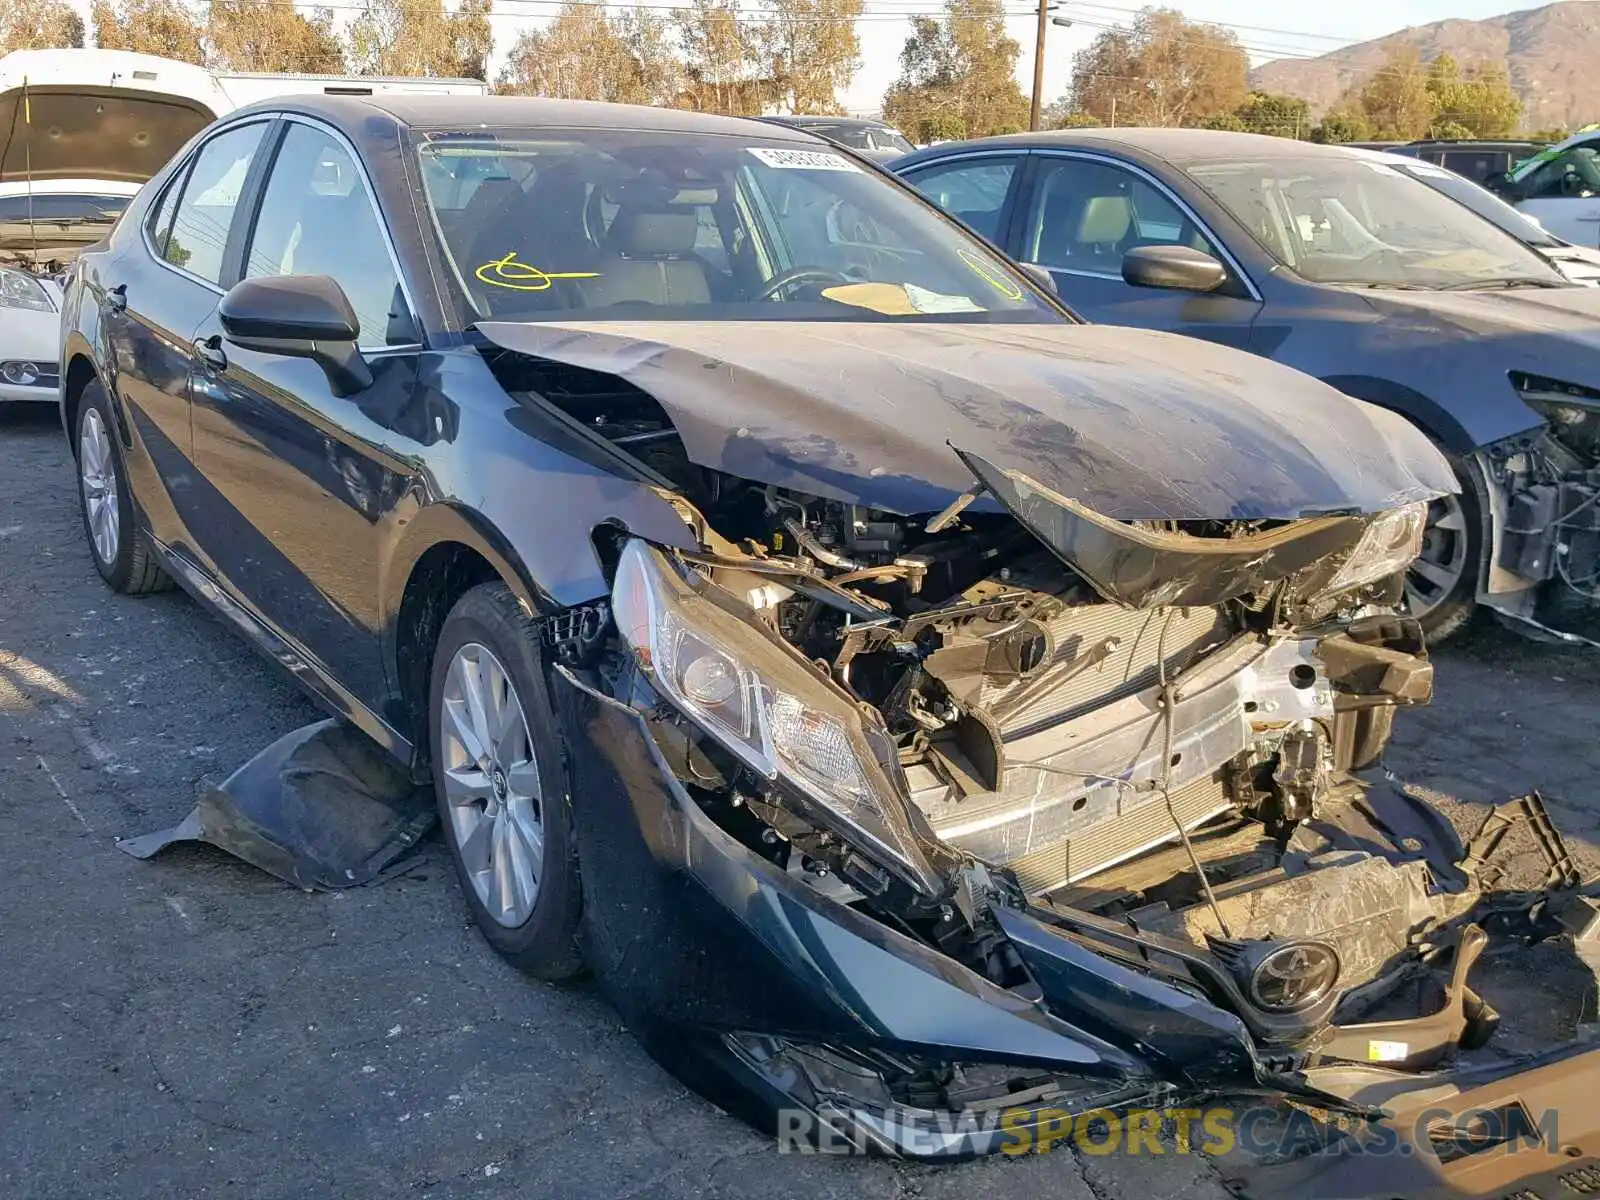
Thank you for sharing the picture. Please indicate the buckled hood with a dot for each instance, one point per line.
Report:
(1132, 424)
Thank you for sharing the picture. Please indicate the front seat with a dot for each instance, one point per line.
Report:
(1103, 225)
(649, 257)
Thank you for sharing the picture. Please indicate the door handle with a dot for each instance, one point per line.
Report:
(209, 351)
(117, 298)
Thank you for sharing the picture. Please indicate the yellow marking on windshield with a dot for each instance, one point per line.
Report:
(507, 272)
(990, 275)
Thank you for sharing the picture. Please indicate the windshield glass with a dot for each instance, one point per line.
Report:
(624, 225)
(26, 221)
(1481, 201)
(1365, 223)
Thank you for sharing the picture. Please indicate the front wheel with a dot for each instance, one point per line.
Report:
(501, 784)
(1442, 583)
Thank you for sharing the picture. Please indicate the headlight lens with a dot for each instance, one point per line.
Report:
(765, 705)
(1388, 545)
(18, 289)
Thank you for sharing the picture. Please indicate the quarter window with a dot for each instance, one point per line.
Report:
(199, 232)
(1086, 216)
(973, 192)
(317, 219)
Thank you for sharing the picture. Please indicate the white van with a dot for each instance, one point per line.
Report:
(80, 132)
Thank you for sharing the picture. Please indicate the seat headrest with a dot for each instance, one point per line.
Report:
(1105, 219)
(658, 231)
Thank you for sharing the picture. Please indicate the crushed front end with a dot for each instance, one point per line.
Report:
(932, 829)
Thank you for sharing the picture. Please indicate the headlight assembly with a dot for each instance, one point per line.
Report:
(18, 289)
(1387, 545)
(1572, 410)
(765, 704)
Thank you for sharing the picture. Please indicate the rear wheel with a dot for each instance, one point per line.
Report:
(501, 784)
(1442, 584)
(116, 543)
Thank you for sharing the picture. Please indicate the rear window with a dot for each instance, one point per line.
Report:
(62, 211)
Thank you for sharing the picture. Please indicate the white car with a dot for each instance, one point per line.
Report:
(1581, 264)
(86, 128)
(1560, 188)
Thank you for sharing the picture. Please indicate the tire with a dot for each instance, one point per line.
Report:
(1442, 584)
(493, 803)
(118, 545)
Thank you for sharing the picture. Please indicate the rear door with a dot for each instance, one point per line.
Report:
(306, 483)
(169, 283)
(1079, 215)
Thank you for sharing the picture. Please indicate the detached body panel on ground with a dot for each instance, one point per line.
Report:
(865, 666)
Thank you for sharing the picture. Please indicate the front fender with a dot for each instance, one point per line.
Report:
(1429, 416)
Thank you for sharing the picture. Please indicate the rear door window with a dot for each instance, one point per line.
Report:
(971, 190)
(204, 213)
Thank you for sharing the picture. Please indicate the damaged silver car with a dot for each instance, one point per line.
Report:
(917, 707)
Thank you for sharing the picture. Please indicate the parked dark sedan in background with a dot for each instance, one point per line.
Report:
(874, 139)
(1353, 272)
(804, 621)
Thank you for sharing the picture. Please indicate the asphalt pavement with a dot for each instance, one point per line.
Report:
(192, 1027)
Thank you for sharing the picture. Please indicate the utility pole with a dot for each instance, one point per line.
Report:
(1045, 21)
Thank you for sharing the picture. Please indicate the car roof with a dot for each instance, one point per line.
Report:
(1177, 146)
(429, 111)
(803, 119)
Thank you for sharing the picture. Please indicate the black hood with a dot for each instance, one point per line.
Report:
(1129, 423)
(1544, 315)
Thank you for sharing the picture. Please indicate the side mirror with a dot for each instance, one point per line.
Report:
(1042, 276)
(302, 316)
(1179, 268)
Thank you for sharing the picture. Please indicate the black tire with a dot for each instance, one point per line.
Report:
(1449, 610)
(546, 944)
(132, 568)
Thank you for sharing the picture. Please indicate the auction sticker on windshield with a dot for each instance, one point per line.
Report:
(802, 160)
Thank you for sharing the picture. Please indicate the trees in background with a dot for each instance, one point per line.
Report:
(958, 76)
(169, 28)
(587, 54)
(39, 25)
(809, 50)
(1164, 69)
(270, 35)
(1407, 98)
(418, 37)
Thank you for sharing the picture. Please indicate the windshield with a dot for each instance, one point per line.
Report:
(1367, 224)
(1481, 201)
(862, 137)
(623, 225)
(26, 221)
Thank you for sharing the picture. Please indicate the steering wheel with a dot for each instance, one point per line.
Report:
(794, 275)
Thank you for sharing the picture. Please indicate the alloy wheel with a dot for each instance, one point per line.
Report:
(1438, 568)
(491, 784)
(97, 475)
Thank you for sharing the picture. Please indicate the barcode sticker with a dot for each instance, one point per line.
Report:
(802, 160)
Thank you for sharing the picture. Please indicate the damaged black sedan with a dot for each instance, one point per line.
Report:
(913, 704)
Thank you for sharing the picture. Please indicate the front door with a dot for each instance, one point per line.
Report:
(1079, 216)
(306, 483)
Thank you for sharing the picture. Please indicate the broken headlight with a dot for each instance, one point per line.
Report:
(1387, 546)
(1572, 411)
(765, 704)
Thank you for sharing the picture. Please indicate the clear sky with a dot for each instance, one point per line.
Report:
(1268, 28)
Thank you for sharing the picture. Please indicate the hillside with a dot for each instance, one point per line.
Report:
(1552, 53)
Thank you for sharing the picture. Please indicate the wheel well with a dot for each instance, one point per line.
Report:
(80, 372)
(444, 573)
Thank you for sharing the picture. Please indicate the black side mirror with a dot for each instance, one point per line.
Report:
(303, 316)
(1041, 276)
(1179, 268)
